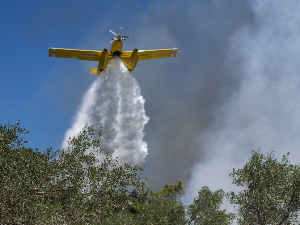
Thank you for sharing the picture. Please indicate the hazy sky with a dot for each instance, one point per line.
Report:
(233, 87)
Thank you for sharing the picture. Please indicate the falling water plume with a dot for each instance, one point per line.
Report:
(114, 104)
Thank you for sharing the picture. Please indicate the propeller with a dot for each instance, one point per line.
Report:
(113, 32)
(118, 37)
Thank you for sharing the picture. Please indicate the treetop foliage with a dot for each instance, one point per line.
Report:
(72, 186)
(271, 190)
(10, 135)
(63, 186)
(171, 190)
(205, 208)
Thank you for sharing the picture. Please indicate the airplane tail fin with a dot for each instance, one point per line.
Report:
(93, 71)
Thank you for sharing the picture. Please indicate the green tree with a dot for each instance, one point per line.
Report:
(138, 200)
(23, 171)
(171, 190)
(271, 190)
(161, 207)
(205, 209)
(160, 210)
(66, 186)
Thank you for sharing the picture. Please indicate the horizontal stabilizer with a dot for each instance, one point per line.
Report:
(93, 71)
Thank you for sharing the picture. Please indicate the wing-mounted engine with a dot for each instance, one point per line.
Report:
(103, 62)
(133, 60)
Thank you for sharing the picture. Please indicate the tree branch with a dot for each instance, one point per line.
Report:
(55, 211)
(290, 208)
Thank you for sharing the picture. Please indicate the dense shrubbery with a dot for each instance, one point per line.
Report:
(70, 187)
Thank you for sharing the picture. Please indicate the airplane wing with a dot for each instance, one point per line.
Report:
(152, 54)
(75, 54)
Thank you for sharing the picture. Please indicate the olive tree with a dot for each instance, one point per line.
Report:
(65, 186)
(205, 209)
(271, 190)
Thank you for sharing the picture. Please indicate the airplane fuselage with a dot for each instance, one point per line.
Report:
(116, 48)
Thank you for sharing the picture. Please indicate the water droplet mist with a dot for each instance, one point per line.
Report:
(114, 103)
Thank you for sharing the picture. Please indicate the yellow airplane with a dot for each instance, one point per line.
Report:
(130, 58)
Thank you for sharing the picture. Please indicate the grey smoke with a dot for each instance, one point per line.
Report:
(264, 110)
(184, 93)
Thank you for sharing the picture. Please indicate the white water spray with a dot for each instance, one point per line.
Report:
(114, 103)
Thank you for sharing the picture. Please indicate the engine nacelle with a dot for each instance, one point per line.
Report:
(133, 60)
(103, 62)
